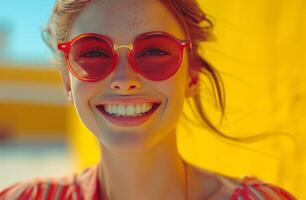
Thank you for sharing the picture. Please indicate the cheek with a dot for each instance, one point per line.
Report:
(83, 91)
(83, 94)
(175, 86)
(174, 89)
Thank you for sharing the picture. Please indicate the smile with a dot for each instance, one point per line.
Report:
(128, 114)
(128, 110)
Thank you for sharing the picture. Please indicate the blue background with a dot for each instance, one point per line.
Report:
(23, 22)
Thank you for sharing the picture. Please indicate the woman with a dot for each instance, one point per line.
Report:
(127, 67)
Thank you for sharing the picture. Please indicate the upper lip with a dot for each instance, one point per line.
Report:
(128, 100)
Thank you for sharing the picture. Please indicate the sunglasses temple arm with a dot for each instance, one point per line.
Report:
(189, 44)
(64, 47)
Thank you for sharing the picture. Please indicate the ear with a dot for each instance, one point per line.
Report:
(67, 84)
(192, 85)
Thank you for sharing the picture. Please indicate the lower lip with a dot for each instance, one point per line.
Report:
(128, 121)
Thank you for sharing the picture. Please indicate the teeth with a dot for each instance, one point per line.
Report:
(138, 108)
(128, 110)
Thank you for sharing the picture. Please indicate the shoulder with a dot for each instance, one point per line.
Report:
(211, 185)
(42, 188)
(231, 188)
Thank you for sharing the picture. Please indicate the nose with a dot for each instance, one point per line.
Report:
(125, 80)
(124, 86)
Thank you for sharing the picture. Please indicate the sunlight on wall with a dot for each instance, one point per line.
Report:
(260, 53)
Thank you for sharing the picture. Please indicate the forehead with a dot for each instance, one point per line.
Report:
(123, 20)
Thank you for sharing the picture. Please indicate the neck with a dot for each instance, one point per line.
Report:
(158, 173)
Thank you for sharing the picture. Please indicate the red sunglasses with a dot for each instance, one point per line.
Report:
(155, 55)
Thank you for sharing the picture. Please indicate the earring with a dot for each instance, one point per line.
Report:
(193, 81)
(69, 96)
(193, 87)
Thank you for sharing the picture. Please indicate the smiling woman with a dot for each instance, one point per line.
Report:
(128, 67)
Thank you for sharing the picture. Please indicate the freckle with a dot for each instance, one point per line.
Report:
(135, 22)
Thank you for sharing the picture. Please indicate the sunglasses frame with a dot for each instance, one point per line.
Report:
(66, 46)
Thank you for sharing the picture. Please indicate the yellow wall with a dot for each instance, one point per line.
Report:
(31, 102)
(260, 52)
(33, 73)
(25, 119)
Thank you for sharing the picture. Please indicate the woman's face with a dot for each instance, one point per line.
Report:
(122, 21)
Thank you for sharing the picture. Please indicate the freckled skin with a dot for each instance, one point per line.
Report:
(136, 22)
(122, 21)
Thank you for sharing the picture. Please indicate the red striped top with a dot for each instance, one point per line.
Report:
(86, 187)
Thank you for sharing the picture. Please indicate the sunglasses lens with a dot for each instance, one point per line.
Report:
(91, 58)
(157, 57)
